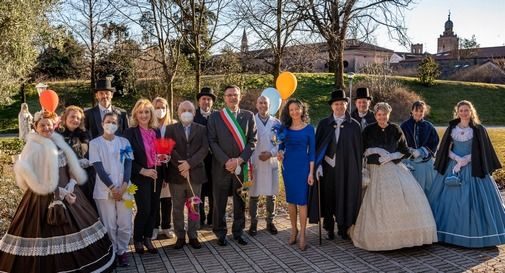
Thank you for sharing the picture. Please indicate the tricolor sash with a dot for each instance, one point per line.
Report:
(239, 137)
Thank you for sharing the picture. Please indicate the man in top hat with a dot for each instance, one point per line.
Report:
(206, 99)
(362, 112)
(339, 151)
(94, 116)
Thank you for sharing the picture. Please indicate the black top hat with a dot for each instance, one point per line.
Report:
(336, 95)
(104, 85)
(206, 91)
(363, 93)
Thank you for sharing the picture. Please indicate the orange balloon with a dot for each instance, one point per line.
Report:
(286, 84)
(49, 100)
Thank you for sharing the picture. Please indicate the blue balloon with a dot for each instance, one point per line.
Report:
(275, 99)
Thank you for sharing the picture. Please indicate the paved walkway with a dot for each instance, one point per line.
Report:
(268, 253)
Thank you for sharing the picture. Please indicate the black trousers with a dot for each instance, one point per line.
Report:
(148, 205)
(223, 183)
(166, 214)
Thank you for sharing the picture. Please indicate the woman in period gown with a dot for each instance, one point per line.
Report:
(297, 153)
(395, 212)
(422, 139)
(48, 171)
(465, 200)
(25, 120)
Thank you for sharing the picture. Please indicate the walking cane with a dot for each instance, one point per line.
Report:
(319, 209)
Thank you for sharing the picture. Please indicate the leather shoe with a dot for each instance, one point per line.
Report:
(180, 243)
(331, 235)
(194, 243)
(139, 247)
(150, 247)
(271, 228)
(222, 241)
(253, 229)
(241, 241)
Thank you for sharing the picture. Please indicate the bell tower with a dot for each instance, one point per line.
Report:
(448, 41)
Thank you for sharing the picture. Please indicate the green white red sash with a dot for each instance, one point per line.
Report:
(239, 137)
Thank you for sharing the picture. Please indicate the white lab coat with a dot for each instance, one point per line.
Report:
(265, 173)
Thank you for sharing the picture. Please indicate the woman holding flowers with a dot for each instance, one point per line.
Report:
(111, 157)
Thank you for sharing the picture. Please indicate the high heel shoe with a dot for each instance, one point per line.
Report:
(150, 247)
(139, 247)
(292, 240)
(302, 244)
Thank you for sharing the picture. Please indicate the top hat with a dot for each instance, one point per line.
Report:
(337, 95)
(104, 85)
(363, 93)
(206, 91)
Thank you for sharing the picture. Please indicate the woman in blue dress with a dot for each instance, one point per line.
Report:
(465, 200)
(297, 153)
(422, 140)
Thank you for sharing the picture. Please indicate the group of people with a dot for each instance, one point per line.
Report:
(382, 185)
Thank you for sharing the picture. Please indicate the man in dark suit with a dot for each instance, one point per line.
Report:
(94, 116)
(362, 113)
(186, 166)
(206, 99)
(232, 139)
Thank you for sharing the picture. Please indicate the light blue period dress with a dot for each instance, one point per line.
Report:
(299, 150)
(469, 212)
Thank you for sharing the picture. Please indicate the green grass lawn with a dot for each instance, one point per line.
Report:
(313, 88)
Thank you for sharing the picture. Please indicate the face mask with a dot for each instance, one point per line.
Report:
(186, 117)
(110, 128)
(160, 113)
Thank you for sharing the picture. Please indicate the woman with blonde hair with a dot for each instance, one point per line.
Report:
(146, 172)
(25, 120)
(395, 212)
(465, 200)
(163, 222)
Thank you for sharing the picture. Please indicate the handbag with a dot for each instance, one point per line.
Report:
(57, 213)
(452, 180)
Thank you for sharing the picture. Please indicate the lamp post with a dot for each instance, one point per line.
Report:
(350, 76)
(40, 87)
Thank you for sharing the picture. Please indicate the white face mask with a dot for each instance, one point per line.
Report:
(160, 113)
(110, 128)
(186, 117)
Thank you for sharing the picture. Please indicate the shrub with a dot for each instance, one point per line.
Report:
(428, 71)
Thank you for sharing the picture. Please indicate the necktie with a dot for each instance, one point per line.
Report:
(363, 123)
(186, 131)
(337, 130)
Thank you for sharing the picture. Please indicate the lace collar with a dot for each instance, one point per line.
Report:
(462, 134)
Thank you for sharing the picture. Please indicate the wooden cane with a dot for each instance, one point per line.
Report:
(319, 209)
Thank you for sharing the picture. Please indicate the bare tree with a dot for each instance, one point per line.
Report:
(84, 18)
(160, 36)
(335, 20)
(204, 23)
(274, 23)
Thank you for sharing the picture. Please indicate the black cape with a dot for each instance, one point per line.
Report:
(341, 185)
(484, 159)
(369, 117)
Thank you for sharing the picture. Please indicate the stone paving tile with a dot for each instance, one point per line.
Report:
(269, 253)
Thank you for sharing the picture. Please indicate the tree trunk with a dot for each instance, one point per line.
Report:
(339, 63)
(198, 69)
(93, 54)
(278, 32)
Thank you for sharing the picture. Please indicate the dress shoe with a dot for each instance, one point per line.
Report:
(194, 243)
(271, 228)
(241, 241)
(180, 243)
(253, 229)
(222, 241)
(150, 247)
(331, 235)
(155, 234)
(169, 233)
(139, 247)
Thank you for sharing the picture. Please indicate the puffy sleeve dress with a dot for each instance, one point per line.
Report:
(299, 150)
(395, 212)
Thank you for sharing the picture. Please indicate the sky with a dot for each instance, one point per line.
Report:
(425, 22)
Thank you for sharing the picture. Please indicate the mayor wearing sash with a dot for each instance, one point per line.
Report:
(232, 138)
(339, 151)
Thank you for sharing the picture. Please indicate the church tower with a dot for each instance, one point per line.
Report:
(244, 48)
(448, 41)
